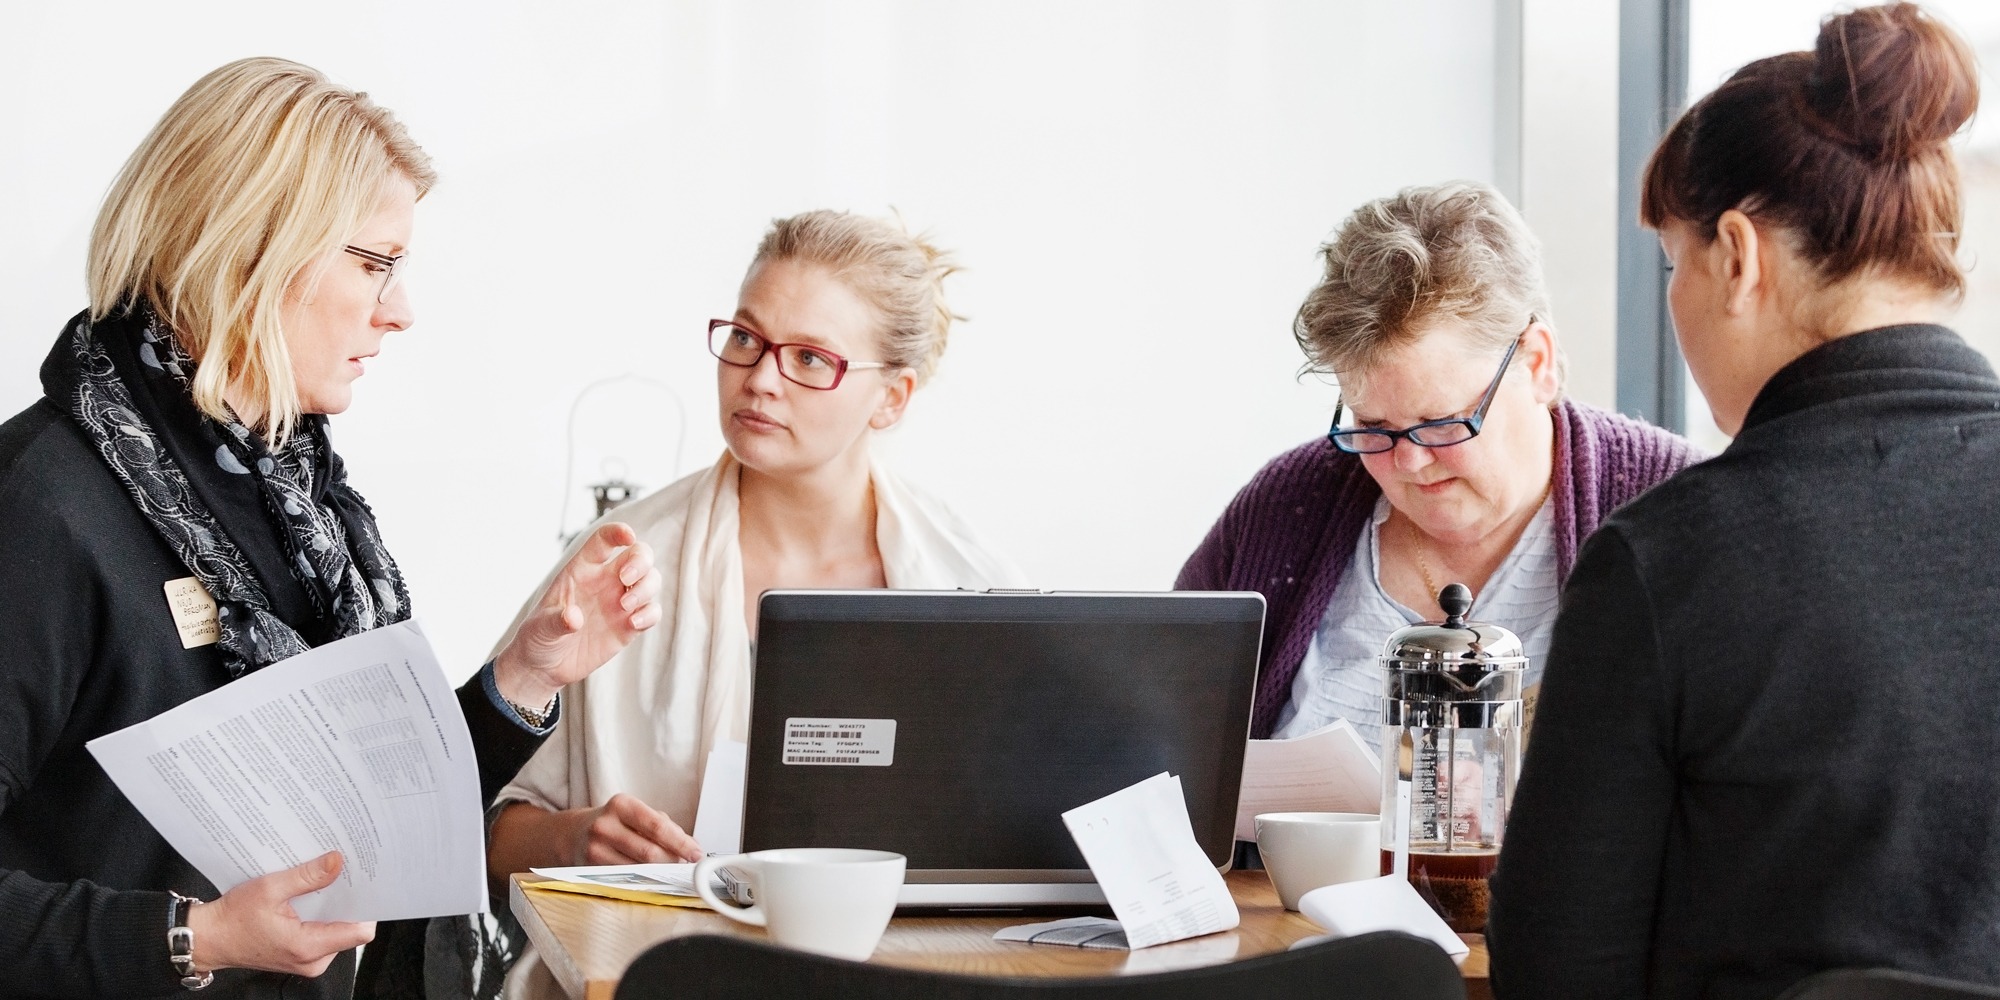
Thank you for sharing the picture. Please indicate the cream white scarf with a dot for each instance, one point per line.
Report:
(644, 723)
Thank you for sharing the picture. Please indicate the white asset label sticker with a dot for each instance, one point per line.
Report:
(852, 742)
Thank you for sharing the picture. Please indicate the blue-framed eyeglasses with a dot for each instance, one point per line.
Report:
(1430, 433)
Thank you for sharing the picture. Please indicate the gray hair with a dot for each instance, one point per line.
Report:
(1453, 251)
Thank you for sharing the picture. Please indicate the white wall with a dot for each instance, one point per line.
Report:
(1569, 177)
(1138, 189)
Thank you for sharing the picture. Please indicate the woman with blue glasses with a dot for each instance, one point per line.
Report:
(1453, 457)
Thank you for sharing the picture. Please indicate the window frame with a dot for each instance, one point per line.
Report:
(1652, 91)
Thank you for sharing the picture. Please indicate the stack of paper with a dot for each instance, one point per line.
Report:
(663, 884)
(1327, 770)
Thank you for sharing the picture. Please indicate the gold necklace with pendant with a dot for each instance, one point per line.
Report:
(1424, 566)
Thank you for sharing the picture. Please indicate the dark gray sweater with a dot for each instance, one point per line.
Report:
(87, 647)
(1769, 734)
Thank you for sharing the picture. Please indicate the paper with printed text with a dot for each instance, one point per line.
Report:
(1140, 845)
(357, 746)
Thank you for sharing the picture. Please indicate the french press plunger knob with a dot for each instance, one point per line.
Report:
(1456, 600)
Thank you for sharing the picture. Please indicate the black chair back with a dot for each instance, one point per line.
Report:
(1384, 966)
(1885, 984)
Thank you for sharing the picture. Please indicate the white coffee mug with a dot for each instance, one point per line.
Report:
(1304, 851)
(827, 900)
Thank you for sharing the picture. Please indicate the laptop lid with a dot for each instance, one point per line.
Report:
(955, 728)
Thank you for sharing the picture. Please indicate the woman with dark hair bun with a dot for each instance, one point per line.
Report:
(1762, 748)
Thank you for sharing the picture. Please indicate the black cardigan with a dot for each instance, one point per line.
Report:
(87, 647)
(1769, 734)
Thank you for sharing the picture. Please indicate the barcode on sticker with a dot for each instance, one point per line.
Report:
(840, 742)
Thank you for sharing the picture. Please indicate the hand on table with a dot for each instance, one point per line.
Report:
(253, 926)
(626, 831)
(604, 596)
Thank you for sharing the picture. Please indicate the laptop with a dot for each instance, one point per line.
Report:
(955, 728)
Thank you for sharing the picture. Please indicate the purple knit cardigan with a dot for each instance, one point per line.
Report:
(1290, 533)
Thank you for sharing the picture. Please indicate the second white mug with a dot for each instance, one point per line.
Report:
(832, 901)
(1303, 851)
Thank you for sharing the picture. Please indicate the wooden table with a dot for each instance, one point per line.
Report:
(588, 941)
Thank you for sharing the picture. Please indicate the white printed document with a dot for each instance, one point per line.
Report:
(1140, 845)
(357, 746)
(1327, 770)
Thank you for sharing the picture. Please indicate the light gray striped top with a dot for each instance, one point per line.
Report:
(1340, 678)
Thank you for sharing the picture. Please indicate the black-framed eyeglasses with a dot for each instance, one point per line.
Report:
(1430, 433)
(390, 267)
(808, 365)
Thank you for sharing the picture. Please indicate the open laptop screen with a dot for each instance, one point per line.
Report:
(956, 727)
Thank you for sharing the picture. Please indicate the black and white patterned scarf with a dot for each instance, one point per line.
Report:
(290, 553)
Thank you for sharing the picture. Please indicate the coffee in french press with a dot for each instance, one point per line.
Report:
(1451, 754)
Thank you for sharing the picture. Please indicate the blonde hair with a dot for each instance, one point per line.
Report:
(1453, 251)
(900, 274)
(260, 169)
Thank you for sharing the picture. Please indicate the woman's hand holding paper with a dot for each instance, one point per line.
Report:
(253, 926)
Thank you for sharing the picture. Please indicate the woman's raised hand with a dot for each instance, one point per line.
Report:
(607, 594)
(253, 926)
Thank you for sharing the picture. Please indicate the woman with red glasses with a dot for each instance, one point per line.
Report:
(839, 321)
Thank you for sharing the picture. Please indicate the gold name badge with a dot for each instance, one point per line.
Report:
(194, 612)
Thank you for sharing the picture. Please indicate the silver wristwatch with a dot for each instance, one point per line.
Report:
(180, 942)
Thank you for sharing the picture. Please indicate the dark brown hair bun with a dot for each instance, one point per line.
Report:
(1890, 81)
(1846, 147)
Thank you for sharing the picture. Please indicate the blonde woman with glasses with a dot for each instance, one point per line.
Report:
(839, 321)
(245, 265)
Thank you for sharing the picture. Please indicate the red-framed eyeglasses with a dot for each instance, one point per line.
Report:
(809, 365)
